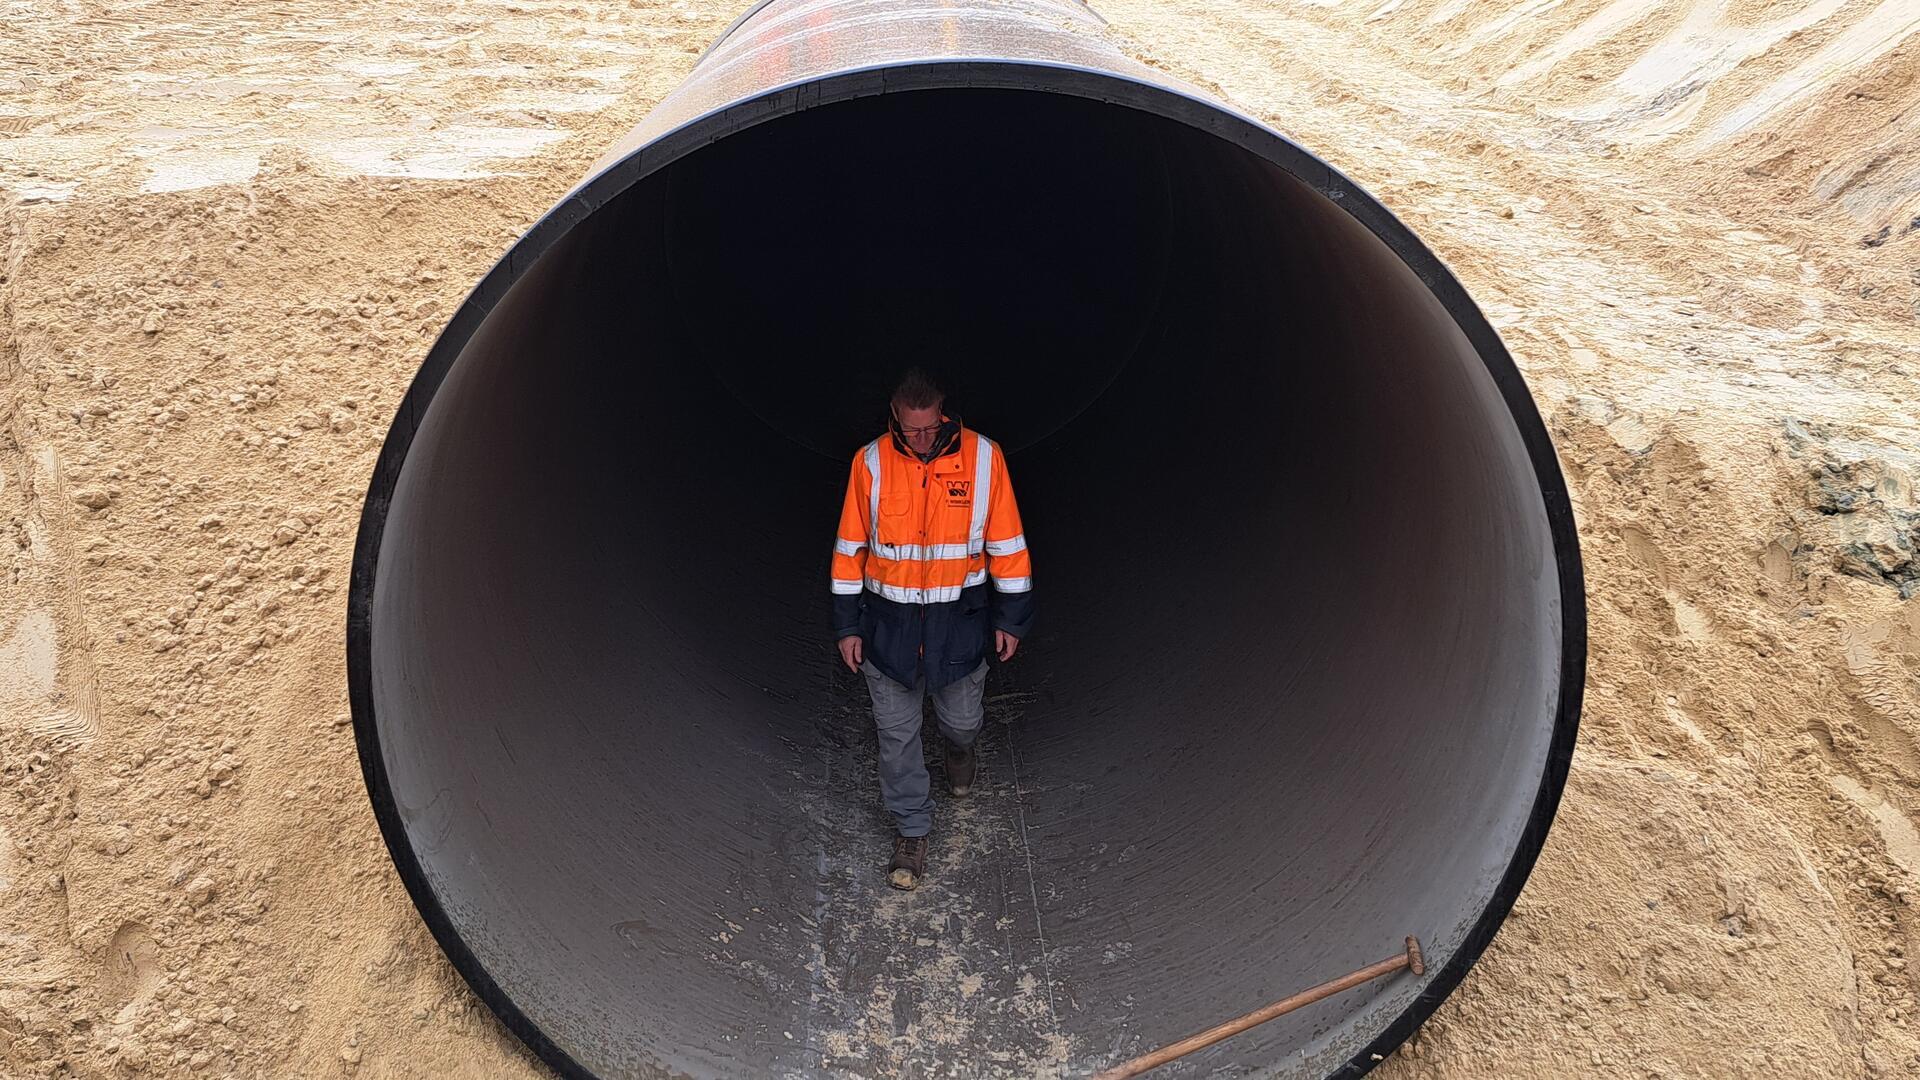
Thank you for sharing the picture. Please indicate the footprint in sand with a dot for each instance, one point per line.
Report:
(130, 970)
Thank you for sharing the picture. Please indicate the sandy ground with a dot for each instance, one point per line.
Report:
(227, 233)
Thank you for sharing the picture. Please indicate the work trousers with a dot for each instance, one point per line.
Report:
(896, 715)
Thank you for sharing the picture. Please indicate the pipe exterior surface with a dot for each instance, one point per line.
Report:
(1311, 630)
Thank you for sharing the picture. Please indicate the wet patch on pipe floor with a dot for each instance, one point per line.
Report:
(949, 980)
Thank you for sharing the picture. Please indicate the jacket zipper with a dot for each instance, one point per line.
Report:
(925, 469)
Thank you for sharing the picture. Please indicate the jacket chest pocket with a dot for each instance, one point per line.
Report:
(896, 523)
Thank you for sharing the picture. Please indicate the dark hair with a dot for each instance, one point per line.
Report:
(917, 390)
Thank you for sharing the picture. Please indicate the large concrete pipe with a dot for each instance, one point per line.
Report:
(1310, 643)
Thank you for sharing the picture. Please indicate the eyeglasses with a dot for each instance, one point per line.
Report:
(914, 432)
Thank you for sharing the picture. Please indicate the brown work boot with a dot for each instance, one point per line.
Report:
(909, 862)
(959, 768)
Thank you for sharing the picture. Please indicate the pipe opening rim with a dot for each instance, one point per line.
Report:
(1165, 101)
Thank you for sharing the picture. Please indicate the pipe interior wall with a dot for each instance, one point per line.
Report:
(1290, 694)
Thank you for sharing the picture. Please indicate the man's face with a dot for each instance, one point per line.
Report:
(918, 426)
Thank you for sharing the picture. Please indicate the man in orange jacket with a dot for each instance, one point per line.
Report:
(929, 520)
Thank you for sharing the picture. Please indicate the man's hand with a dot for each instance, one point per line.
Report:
(850, 651)
(1004, 644)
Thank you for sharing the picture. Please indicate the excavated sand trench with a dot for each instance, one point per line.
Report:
(235, 235)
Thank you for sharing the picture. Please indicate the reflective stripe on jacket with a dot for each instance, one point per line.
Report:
(929, 557)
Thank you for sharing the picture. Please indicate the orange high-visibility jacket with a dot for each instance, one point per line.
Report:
(929, 557)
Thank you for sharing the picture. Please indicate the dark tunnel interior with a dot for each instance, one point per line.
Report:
(1288, 695)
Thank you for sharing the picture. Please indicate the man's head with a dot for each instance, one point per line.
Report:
(916, 410)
